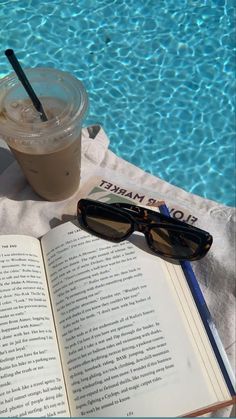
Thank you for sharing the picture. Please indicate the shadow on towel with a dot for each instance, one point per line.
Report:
(13, 183)
(54, 222)
(6, 158)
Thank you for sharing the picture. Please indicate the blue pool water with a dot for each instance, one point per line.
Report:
(160, 76)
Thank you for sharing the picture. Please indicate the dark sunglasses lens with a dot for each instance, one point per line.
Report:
(172, 243)
(107, 223)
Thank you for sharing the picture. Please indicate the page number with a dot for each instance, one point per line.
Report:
(130, 414)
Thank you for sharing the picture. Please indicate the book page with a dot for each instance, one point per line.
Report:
(122, 336)
(31, 379)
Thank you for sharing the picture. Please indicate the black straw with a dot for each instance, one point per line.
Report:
(23, 79)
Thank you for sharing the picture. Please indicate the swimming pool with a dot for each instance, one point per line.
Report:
(160, 76)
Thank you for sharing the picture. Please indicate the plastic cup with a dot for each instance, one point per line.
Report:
(49, 153)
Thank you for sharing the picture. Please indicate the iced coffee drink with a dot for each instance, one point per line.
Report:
(49, 153)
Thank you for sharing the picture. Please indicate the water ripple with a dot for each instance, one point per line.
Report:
(160, 76)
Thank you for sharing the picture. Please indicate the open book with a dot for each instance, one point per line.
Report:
(92, 328)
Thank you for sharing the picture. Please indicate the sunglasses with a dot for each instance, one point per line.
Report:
(165, 236)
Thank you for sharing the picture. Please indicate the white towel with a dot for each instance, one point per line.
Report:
(23, 212)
